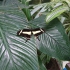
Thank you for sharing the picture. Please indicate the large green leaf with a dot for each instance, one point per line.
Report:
(39, 22)
(55, 13)
(54, 41)
(15, 54)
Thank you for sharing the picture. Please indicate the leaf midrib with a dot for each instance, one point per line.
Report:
(4, 40)
(54, 40)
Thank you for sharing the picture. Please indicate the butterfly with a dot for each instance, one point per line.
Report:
(27, 33)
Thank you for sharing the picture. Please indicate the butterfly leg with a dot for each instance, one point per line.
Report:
(27, 39)
(37, 38)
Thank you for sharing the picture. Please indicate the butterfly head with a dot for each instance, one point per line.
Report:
(19, 32)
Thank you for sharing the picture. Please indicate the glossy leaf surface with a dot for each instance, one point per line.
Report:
(55, 13)
(54, 41)
(15, 54)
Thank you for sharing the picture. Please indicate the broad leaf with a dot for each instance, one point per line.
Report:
(35, 10)
(15, 54)
(39, 22)
(56, 13)
(54, 41)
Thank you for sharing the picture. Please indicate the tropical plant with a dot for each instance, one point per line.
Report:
(15, 54)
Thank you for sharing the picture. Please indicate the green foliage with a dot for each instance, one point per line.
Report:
(26, 10)
(15, 54)
(56, 13)
(54, 40)
(41, 65)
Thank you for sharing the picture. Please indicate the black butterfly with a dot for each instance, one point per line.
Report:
(29, 32)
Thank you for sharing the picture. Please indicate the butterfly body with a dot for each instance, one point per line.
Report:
(29, 32)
